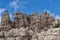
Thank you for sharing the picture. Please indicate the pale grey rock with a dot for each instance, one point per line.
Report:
(1, 33)
(51, 34)
(1, 39)
(31, 32)
(18, 19)
(12, 32)
(23, 31)
(10, 38)
(31, 27)
(5, 18)
(18, 38)
(16, 32)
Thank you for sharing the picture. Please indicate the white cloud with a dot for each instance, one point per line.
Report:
(56, 16)
(17, 4)
(46, 10)
(11, 16)
(2, 10)
(14, 4)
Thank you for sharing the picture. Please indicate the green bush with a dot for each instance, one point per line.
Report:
(57, 25)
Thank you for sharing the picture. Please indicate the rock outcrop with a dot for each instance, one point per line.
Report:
(5, 22)
(18, 19)
(28, 27)
(51, 34)
(46, 20)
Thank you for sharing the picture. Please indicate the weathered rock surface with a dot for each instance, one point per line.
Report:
(46, 20)
(28, 27)
(51, 34)
(6, 24)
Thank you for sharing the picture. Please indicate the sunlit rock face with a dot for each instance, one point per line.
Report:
(5, 18)
(25, 20)
(46, 20)
(51, 34)
(29, 27)
(18, 19)
(5, 21)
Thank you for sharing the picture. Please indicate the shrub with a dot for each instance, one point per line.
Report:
(57, 25)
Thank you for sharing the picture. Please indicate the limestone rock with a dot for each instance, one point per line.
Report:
(18, 19)
(25, 21)
(29, 27)
(6, 24)
(1, 39)
(46, 20)
(10, 38)
(1, 33)
(5, 18)
(51, 34)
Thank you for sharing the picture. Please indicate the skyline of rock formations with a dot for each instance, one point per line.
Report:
(24, 20)
(26, 27)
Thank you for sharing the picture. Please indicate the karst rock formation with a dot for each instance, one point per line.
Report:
(29, 27)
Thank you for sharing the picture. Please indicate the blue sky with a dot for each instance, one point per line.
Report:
(29, 6)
